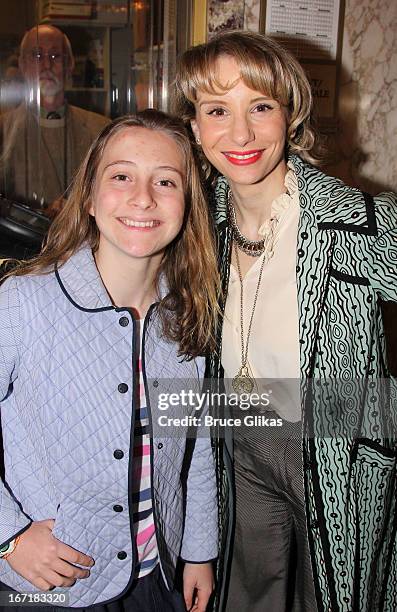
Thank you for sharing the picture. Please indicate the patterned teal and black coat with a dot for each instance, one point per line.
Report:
(346, 265)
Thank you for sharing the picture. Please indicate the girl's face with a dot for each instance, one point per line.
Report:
(138, 199)
(242, 131)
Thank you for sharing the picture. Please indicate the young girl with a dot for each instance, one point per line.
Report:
(119, 302)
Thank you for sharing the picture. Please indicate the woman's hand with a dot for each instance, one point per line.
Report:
(198, 584)
(45, 561)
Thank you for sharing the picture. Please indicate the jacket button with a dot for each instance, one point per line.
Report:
(160, 445)
(124, 321)
(118, 508)
(118, 454)
(123, 388)
(122, 555)
(155, 383)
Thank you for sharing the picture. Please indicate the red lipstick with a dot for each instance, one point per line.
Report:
(243, 158)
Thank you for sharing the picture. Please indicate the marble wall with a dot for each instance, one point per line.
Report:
(252, 10)
(365, 144)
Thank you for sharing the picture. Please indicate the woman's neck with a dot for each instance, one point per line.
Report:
(253, 203)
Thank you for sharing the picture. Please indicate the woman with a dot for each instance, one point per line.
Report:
(304, 262)
(116, 309)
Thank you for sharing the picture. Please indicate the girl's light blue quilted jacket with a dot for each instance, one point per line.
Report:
(67, 411)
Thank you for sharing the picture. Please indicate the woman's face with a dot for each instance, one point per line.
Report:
(138, 200)
(242, 131)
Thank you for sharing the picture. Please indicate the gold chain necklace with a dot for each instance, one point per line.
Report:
(253, 248)
(243, 381)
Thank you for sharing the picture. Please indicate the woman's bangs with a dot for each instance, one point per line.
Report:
(257, 72)
(204, 79)
(260, 76)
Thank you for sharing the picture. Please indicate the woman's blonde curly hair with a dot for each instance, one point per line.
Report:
(265, 66)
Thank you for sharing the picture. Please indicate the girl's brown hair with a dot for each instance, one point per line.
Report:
(189, 309)
(265, 66)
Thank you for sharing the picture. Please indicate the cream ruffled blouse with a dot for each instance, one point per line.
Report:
(273, 352)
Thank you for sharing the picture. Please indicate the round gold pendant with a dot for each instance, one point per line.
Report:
(242, 382)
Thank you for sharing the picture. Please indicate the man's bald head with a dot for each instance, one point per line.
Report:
(46, 60)
(47, 35)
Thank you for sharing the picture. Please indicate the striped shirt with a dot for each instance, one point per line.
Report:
(144, 529)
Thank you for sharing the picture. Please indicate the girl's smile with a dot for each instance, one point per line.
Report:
(138, 199)
(141, 225)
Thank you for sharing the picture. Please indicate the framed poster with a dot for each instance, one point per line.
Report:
(308, 28)
(312, 30)
(211, 16)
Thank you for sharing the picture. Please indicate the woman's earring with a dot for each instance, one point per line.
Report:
(198, 140)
